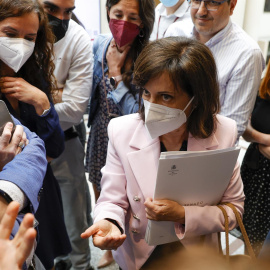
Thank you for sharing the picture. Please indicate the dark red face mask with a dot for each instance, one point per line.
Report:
(123, 32)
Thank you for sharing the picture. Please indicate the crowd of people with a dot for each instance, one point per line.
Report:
(180, 76)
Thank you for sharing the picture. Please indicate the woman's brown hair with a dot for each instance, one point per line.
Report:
(191, 68)
(264, 91)
(147, 15)
(38, 69)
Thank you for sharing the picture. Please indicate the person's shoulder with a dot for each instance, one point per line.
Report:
(226, 130)
(75, 39)
(225, 122)
(126, 122)
(240, 37)
(158, 8)
(124, 126)
(181, 28)
(74, 29)
(101, 39)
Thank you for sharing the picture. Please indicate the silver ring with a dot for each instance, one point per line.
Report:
(22, 145)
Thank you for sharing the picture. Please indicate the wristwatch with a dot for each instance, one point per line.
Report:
(5, 196)
(45, 112)
(115, 80)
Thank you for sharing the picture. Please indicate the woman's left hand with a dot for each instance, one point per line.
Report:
(164, 210)
(21, 90)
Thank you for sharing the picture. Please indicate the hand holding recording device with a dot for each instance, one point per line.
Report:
(5, 117)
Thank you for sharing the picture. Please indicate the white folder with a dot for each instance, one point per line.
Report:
(191, 179)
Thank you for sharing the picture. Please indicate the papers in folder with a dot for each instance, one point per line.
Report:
(191, 179)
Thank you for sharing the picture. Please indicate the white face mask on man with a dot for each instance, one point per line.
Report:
(160, 119)
(14, 52)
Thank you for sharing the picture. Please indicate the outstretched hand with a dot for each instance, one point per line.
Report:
(13, 253)
(105, 235)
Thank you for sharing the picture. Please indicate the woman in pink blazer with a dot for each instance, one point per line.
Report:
(178, 84)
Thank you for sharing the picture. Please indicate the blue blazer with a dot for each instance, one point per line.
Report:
(27, 171)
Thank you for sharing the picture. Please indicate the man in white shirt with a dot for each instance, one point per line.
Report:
(168, 12)
(73, 71)
(239, 59)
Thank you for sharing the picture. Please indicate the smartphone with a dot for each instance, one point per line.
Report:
(5, 117)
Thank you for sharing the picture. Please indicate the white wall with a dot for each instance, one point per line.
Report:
(256, 22)
(239, 12)
(88, 12)
(104, 23)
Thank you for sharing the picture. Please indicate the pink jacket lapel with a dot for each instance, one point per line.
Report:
(144, 161)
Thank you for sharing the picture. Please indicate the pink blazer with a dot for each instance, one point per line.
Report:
(129, 178)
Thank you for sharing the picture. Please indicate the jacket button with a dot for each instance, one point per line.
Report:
(136, 198)
(136, 217)
(134, 231)
(40, 194)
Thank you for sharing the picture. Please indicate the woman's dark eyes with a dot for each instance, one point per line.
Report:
(119, 16)
(10, 34)
(167, 97)
(14, 35)
(146, 92)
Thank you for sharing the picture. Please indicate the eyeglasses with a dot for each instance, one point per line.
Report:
(210, 5)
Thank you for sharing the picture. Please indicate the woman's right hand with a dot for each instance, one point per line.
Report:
(18, 88)
(115, 58)
(105, 235)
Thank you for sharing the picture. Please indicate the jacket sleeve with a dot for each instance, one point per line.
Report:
(27, 169)
(78, 84)
(113, 202)
(50, 131)
(242, 87)
(126, 100)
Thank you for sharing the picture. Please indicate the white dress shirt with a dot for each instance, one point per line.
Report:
(163, 21)
(239, 63)
(73, 71)
(14, 192)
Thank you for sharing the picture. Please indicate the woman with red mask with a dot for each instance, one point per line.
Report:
(131, 23)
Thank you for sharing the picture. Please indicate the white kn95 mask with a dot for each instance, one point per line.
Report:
(160, 119)
(14, 52)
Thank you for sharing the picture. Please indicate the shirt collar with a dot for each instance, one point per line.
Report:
(217, 37)
(180, 12)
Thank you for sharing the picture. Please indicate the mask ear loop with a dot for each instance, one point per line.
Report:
(189, 103)
(194, 107)
(111, 115)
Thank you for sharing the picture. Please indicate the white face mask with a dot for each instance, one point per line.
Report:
(160, 119)
(14, 52)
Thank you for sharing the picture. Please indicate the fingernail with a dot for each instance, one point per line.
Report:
(9, 125)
